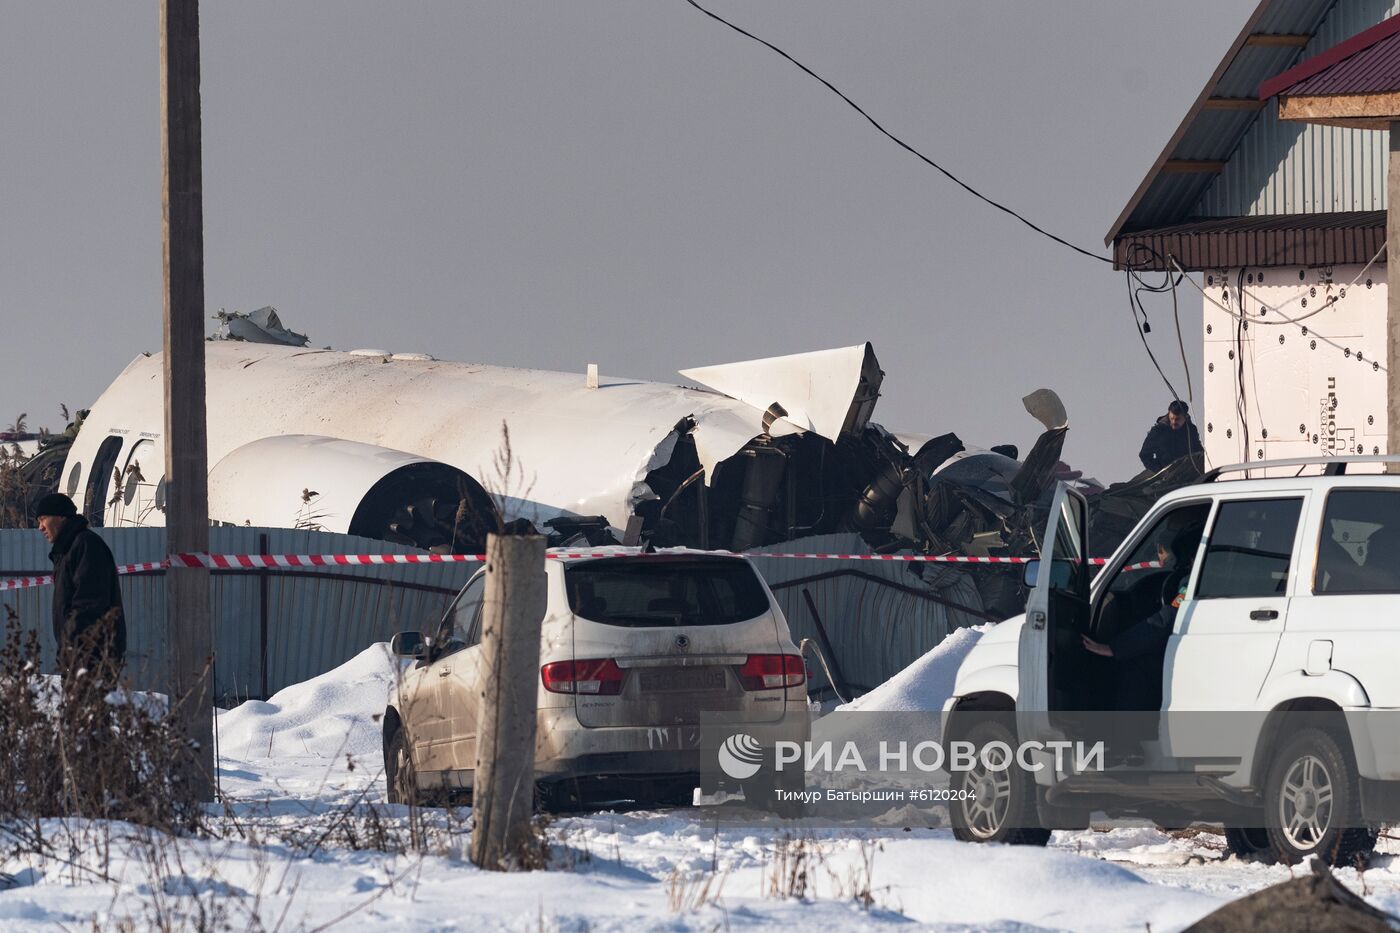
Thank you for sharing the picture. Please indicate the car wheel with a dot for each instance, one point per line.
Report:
(399, 772)
(1248, 841)
(1312, 801)
(562, 796)
(993, 805)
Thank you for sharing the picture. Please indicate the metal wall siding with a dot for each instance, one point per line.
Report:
(875, 630)
(1292, 17)
(314, 622)
(1291, 168)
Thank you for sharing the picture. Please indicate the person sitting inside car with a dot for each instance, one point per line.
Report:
(1140, 649)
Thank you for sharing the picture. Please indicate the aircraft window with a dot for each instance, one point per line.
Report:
(1360, 547)
(100, 479)
(1250, 549)
(74, 475)
(133, 477)
(137, 490)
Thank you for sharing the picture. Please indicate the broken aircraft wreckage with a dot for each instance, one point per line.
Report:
(410, 449)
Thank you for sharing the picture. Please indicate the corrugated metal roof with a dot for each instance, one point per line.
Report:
(1209, 134)
(1373, 67)
(1233, 242)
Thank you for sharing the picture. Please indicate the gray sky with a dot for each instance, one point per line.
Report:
(549, 184)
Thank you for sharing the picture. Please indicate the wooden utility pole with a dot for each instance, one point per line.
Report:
(186, 448)
(503, 795)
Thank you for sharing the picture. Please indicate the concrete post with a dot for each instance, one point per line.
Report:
(513, 608)
(186, 447)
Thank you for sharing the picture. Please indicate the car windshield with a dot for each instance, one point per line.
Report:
(665, 591)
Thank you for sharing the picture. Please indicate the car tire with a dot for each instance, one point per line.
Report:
(1248, 842)
(399, 772)
(1313, 803)
(1004, 808)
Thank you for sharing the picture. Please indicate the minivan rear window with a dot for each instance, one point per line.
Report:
(665, 591)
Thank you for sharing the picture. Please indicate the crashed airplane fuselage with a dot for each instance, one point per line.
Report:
(411, 449)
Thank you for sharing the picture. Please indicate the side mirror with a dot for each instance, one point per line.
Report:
(408, 645)
(1032, 573)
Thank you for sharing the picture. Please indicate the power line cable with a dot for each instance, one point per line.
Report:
(1283, 318)
(1135, 304)
(1375, 364)
(1181, 343)
(1169, 284)
(901, 143)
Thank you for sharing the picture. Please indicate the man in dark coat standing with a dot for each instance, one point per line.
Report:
(88, 623)
(1173, 436)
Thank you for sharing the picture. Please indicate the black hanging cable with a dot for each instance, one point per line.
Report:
(1135, 303)
(1136, 307)
(1241, 400)
(901, 143)
(1181, 343)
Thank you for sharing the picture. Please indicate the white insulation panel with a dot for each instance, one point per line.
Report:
(1302, 374)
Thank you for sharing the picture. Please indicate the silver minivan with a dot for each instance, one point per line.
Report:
(635, 646)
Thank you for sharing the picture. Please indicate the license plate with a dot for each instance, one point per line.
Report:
(683, 678)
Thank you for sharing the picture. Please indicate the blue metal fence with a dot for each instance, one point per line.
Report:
(271, 628)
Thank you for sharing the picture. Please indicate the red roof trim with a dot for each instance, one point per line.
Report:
(1324, 60)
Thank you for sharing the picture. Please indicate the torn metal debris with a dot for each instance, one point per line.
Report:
(413, 450)
(260, 326)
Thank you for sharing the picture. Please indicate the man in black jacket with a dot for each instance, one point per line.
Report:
(88, 623)
(1173, 436)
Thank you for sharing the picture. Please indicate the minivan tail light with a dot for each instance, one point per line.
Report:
(596, 676)
(772, 671)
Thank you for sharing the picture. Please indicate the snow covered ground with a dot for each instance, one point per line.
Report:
(309, 842)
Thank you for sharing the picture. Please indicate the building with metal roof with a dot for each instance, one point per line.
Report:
(1362, 72)
(1233, 158)
(1282, 224)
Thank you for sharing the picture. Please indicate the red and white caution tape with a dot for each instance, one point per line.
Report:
(256, 561)
(20, 583)
(260, 561)
(285, 561)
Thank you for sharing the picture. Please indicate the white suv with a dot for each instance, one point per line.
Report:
(635, 647)
(1273, 696)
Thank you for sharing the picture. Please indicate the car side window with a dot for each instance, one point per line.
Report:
(473, 628)
(1178, 531)
(457, 624)
(1154, 569)
(1359, 551)
(1250, 550)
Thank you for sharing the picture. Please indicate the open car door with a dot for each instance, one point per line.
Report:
(1058, 606)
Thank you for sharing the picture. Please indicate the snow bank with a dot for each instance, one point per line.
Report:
(1000, 887)
(925, 684)
(328, 716)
